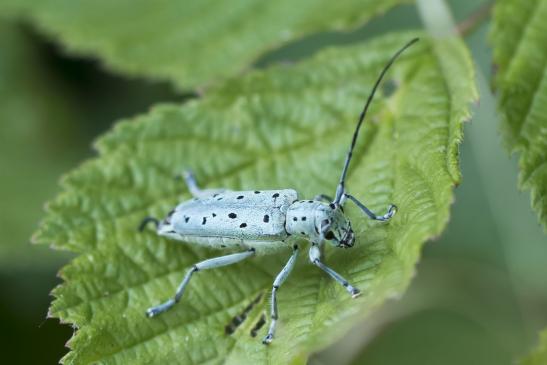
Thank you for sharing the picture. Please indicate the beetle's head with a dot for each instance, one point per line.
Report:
(335, 227)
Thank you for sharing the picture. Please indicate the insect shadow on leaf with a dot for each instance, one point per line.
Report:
(259, 324)
(241, 317)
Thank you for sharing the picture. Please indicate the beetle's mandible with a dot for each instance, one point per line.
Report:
(264, 221)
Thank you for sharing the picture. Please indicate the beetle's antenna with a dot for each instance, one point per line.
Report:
(340, 189)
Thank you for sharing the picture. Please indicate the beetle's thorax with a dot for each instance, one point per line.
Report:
(318, 222)
(301, 219)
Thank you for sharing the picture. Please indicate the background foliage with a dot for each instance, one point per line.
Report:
(138, 38)
(478, 288)
(519, 36)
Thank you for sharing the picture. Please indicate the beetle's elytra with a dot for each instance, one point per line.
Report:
(266, 221)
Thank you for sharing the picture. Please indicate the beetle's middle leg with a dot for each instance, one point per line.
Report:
(194, 189)
(280, 279)
(203, 265)
(315, 258)
(323, 197)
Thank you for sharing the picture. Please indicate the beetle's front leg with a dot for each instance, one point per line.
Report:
(280, 279)
(315, 258)
(390, 212)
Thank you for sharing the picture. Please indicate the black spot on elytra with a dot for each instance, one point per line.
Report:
(302, 233)
(243, 225)
(257, 192)
(310, 201)
(295, 219)
(186, 219)
(303, 218)
(219, 198)
(204, 220)
(332, 206)
(222, 246)
(214, 215)
(215, 195)
(266, 218)
(232, 215)
(276, 195)
(240, 197)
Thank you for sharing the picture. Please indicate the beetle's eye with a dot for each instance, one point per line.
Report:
(329, 235)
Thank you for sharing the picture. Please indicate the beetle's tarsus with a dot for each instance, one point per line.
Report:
(268, 339)
(147, 220)
(392, 210)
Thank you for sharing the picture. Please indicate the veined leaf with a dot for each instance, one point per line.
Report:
(289, 126)
(519, 36)
(191, 42)
(539, 355)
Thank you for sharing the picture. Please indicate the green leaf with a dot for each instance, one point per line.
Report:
(519, 36)
(191, 43)
(288, 127)
(539, 355)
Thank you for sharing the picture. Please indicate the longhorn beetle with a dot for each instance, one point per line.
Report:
(266, 221)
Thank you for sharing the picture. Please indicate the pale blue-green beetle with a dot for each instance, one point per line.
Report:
(265, 221)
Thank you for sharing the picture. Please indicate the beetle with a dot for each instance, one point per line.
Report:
(264, 222)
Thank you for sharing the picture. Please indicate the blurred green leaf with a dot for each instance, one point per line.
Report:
(191, 43)
(539, 355)
(30, 163)
(285, 127)
(519, 36)
(416, 340)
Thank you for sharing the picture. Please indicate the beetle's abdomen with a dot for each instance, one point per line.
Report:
(241, 215)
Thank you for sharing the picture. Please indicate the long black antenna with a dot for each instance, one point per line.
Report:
(340, 189)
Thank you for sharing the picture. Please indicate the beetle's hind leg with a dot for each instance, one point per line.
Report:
(203, 265)
(194, 189)
(147, 220)
(390, 211)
